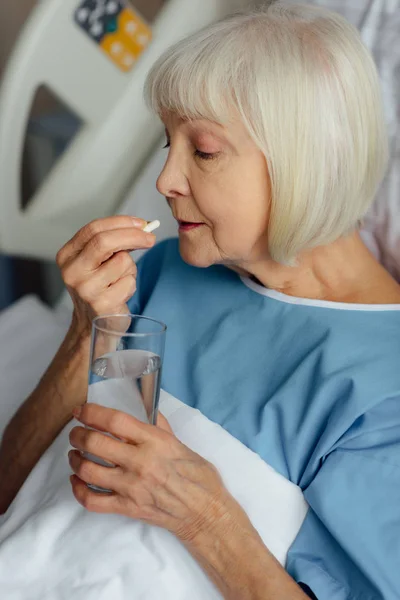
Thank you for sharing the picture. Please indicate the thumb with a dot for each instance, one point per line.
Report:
(162, 423)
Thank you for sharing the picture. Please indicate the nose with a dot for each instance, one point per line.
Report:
(173, 182)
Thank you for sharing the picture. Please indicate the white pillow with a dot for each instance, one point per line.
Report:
(30, 335)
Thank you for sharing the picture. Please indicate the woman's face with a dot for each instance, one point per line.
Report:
(216, 182)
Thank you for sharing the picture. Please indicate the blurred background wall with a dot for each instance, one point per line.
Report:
(19, 277)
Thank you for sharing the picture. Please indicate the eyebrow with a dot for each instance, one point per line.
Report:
(204, 125)
(206, 129)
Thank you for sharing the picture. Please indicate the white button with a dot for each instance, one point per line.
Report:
(96, 29)
(128, 60)
(97, 13)
(112, 7)
(143, 39)
(116, 48)
(131, 27)
(82, 14)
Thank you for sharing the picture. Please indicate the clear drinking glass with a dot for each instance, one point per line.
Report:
(127, 353)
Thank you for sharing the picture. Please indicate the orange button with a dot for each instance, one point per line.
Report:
(131, 25)
(126, 45)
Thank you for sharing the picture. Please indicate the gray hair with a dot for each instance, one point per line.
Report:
(307, 90)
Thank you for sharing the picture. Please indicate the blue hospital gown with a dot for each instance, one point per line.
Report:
(313, 388)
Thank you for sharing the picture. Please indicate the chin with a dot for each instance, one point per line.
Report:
(195, 256)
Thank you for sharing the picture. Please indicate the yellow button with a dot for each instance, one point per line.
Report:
(126, 45)
(131, 25)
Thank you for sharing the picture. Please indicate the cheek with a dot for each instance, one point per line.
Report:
(241, 216)
(251, 198)
(238, 192)
(235, 203)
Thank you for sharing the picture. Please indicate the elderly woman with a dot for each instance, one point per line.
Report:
(282, 327)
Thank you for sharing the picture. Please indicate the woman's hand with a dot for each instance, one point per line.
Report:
(98, 270)
(160, 481)
(157, 479)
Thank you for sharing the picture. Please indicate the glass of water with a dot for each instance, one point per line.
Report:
(126, 359)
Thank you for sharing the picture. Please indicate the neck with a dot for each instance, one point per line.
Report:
(344, 271)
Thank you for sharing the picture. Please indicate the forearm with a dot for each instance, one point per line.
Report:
(233, 555)
(44, 414)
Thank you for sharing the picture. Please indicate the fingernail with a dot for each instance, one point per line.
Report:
(77, 412)
(138, 222)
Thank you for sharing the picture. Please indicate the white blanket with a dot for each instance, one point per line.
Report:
(51, 548)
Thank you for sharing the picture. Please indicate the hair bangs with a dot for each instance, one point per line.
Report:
(188, 82)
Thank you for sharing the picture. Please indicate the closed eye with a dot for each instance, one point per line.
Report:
(205, 155)
(198, 153)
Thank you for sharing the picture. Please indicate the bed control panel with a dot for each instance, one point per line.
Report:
(116, 28)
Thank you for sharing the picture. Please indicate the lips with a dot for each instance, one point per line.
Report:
(188, 222)
(188, 225)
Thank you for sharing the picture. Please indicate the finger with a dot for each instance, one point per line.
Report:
(162, 423)
(102, 246)
(101, 445)
(115, 297)
(84, 235)
(119, 266)
(90, 472)
(116, 422)
(95, 502)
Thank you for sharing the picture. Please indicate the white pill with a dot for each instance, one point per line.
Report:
(150, 227)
